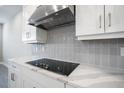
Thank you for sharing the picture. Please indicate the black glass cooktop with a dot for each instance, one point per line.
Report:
(60, 67)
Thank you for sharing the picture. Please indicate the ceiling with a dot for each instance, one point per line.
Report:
(8, 11)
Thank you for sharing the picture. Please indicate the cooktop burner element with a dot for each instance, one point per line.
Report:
(60, 67)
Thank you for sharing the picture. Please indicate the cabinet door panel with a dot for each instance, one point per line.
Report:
(30, 33)
(14, 79)
(27, 12)
(114, 18)
(11, 79)
(89, 19)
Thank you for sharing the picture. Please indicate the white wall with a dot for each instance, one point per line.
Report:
(0, 42)
(12, 43)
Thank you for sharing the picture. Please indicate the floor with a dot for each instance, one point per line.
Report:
(3, 76)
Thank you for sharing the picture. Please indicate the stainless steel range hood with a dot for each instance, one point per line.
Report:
(50, 16)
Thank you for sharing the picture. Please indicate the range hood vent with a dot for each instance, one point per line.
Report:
(50, 16)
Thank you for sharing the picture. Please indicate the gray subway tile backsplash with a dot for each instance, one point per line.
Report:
(62, 45)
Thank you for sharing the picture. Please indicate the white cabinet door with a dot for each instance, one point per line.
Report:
(89, 19)
(11, 78)
(14, 75)
(28, 31)
(114, 18)
(31, 34)
(14, 79)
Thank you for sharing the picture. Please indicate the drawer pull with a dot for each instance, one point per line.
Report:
(109, 15)
(100, 19)
(28, 35)
(12, 76)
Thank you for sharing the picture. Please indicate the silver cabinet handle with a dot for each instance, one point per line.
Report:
(109, 15)
(100, 19)
(12, 76)
(28, 35)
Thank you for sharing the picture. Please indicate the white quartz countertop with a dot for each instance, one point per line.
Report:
(86, 76)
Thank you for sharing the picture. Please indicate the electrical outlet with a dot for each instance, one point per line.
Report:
(122, 51)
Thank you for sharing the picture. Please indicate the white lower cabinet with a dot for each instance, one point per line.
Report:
(11, 76)
(23, 77)
(14, 77)
(43, 81)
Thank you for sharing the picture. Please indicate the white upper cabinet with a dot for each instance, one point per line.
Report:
(31, 34)
(114, 18)
(89, 19)
(99, 22)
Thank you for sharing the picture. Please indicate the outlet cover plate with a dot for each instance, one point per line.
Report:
(122, 51)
